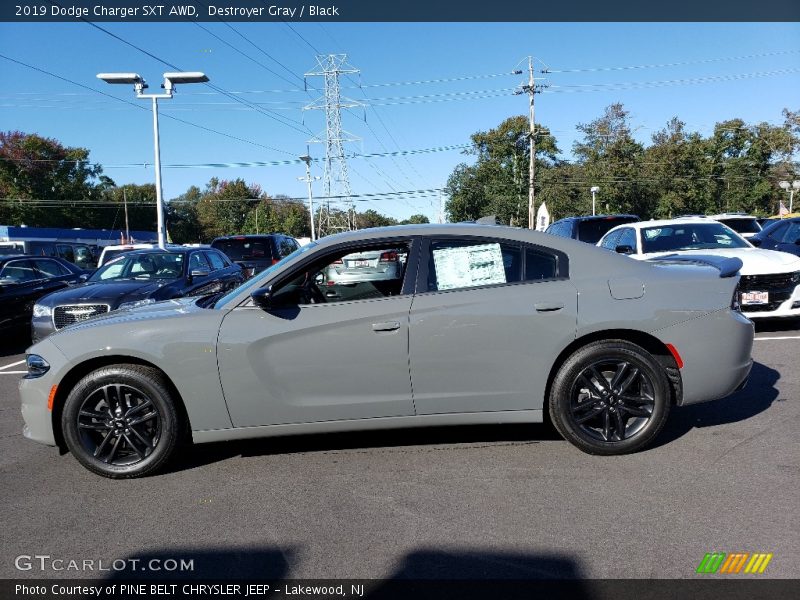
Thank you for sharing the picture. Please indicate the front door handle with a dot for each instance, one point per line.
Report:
(548, 306)
(386, 326)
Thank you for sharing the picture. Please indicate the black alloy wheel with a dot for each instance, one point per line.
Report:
(120, 421)
(610, 397)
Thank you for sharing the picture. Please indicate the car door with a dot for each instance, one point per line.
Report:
(488, 320)
(52, 275)
(789, 241)
(319, 354)
(19, 282)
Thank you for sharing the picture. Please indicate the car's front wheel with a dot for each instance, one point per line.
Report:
(120, 421)
(610, 397)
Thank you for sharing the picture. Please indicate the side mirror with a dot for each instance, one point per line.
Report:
(262, 297)
(624, 249)
(198, 273)
(797, 241)
(755, 241)
(83, 277)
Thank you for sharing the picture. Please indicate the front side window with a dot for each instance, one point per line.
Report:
(216, 260)
(628, 238)
(357, 273)
(611, 240)
(50, 268)
(18, 271)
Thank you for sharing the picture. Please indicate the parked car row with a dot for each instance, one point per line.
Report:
(34, 298)
(770, 280)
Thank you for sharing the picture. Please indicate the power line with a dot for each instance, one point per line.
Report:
(674, 64)
(141, 107)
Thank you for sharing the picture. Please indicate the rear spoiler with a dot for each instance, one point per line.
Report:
(727, 267)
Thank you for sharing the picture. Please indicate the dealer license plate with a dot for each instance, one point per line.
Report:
(361, 263)
(755, 298)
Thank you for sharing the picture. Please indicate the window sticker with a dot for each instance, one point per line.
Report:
(468, 266)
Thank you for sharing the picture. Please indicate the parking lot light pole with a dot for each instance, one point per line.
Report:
(139, 85)
(594, 189)
(791, 188)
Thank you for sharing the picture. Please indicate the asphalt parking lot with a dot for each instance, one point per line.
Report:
(467, 502)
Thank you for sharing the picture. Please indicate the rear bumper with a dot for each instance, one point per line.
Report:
(716, 369)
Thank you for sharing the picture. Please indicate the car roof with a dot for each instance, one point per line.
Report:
(598, 217)
(249, 236)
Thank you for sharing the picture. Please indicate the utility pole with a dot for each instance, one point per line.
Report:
(308, 179)
(531, 89)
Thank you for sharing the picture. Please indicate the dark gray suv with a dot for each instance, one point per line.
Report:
(588, 229)
(254, 253)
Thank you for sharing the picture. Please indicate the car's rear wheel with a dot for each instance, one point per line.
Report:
(610, 397)
(120, 421)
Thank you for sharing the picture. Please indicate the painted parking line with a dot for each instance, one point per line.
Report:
(19, 362)
(13, 372)
(781, 337)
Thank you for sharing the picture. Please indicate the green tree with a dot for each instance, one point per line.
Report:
(415, 220)
(224, 206)
(612, 160)
(35, 169)
(183, 222)
(498, 181)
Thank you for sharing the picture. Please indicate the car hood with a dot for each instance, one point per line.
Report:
(755, 261)
(113, 293)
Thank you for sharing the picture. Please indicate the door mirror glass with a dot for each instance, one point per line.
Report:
(262, 298)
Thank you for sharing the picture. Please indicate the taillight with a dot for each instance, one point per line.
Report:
(389, 256)
(338, 261)
(274, 261)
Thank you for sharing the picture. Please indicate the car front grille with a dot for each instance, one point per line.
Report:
(768, 283)
(67, 315)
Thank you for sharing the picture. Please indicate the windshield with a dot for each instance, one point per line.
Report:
(152, 266)
(256, 281)
(591, 230)
(244, 248)
(690, 236)
(742, 225)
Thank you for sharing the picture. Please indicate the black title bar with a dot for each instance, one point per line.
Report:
(398, 10)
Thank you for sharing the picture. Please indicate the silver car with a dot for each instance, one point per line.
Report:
(486, 325)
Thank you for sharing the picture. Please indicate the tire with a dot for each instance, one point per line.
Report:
(610, 397)
(121, 422)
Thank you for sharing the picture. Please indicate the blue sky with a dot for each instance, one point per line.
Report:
(702, 73)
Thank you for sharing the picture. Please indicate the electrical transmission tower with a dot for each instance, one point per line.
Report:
(335, 181)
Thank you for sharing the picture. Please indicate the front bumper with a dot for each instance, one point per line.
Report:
(34, 395)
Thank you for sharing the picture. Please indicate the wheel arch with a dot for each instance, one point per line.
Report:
(79, 371)
(650, 343)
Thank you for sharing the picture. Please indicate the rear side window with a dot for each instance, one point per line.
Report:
(459, 264)
(245, 248)
(287, 246)
(540, 265)
(742, 225)
(217, 261)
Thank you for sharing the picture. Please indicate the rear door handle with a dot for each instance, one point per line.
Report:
(548, 306)
(386, 326)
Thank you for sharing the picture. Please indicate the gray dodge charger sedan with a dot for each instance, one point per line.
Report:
(486, 325)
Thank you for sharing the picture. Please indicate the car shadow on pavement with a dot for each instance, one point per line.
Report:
(12, 344)
(420, 573)
(515, 434)
(777, 325)
(757, 396)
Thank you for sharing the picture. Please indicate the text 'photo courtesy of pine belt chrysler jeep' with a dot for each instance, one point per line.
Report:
(482, 325)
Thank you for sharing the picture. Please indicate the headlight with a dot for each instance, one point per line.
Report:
(40, 310)
(37, 366)
(136, 304)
